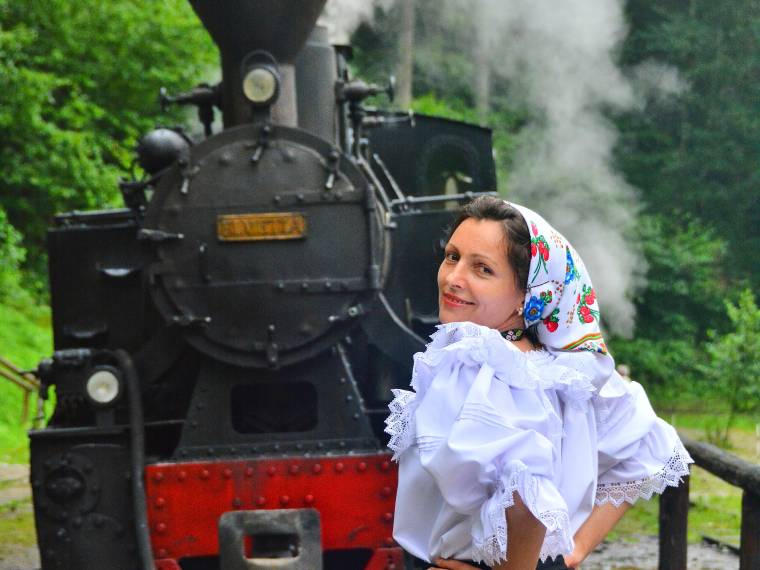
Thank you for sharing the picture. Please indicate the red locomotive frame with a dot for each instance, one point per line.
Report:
(353, 494)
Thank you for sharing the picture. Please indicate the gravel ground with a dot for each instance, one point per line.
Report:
(637, 554)
(641, 554)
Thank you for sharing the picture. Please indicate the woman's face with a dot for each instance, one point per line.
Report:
(475, 281)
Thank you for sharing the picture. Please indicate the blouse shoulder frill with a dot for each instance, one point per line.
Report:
(466, 344)
(484, 422)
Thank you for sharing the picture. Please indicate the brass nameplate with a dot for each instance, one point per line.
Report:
(255, 227)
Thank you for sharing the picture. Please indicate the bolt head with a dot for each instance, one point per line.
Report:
(316, 468)
(339, 467)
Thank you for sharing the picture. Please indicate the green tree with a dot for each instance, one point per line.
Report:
(680, 303)
(80, 83)
(685, 286)
(699, 153)
(733, 371)
(11, 257)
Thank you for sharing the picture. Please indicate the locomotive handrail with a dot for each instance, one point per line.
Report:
(439, 198)
(674, 506)
(24, 380)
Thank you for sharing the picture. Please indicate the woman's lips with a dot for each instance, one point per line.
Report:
(454, 301)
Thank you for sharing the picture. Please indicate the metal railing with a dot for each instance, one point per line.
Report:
(24, 380)
(674, 506)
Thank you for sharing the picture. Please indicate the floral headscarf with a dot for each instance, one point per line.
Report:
(560, 299)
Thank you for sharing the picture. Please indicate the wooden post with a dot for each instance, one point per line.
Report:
(674, 517)
(749, 557)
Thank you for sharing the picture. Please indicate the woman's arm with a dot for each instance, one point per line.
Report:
(524, 540)
(593, 530)
(530, 535)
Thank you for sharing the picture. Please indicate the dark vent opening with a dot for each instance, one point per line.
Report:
(274, 407)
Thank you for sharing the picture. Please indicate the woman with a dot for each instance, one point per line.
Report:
(520, 442)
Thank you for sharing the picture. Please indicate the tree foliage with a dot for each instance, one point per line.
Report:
(12, 254)
(80, 82)
(732, 372)
(699, 153)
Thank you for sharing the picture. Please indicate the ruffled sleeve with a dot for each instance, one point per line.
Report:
(481, 426)
(639, 453)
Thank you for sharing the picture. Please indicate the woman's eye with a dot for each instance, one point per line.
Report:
(485, 269)
(451, 256)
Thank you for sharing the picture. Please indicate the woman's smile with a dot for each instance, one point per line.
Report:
(454, 301)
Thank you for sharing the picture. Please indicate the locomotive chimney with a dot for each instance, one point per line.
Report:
(246, 30)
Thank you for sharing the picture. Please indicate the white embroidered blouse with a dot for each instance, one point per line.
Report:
(486, 420)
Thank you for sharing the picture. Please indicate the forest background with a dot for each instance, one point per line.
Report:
(641, 118)
(79, 83)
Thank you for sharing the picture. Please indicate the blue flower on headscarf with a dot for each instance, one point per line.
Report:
(533, 309)
(570, 271)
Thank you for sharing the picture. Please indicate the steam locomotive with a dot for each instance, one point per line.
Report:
(226, 344)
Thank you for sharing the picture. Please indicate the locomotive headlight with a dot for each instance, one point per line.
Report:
(103, 386)
(260, 85)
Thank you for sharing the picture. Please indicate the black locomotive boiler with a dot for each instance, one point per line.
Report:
(226, 344)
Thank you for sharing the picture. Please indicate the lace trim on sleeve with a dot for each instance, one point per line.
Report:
(676, 467)
(399, 424)
(492, 548)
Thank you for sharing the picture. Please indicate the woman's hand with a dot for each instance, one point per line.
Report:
(443, 564)
(574, 559)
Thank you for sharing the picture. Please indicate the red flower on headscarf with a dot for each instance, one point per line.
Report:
(586, 298)
(552, 321)
(534, 228)
(533, 250)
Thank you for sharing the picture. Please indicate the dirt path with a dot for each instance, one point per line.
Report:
(18, 550)
(641, 554)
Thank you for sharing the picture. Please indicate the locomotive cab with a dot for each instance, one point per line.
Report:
(225, 346)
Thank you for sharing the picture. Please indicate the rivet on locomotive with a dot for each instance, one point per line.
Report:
(225, 345)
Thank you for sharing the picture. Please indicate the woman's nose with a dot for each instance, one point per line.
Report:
(455, 277)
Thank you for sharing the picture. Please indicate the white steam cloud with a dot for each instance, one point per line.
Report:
(560, 60)
(342, 17)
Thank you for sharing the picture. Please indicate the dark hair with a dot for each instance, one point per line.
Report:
(516, 237)
(516, 234)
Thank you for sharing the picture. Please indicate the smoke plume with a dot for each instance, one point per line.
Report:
(342, 17)
(560, 60)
